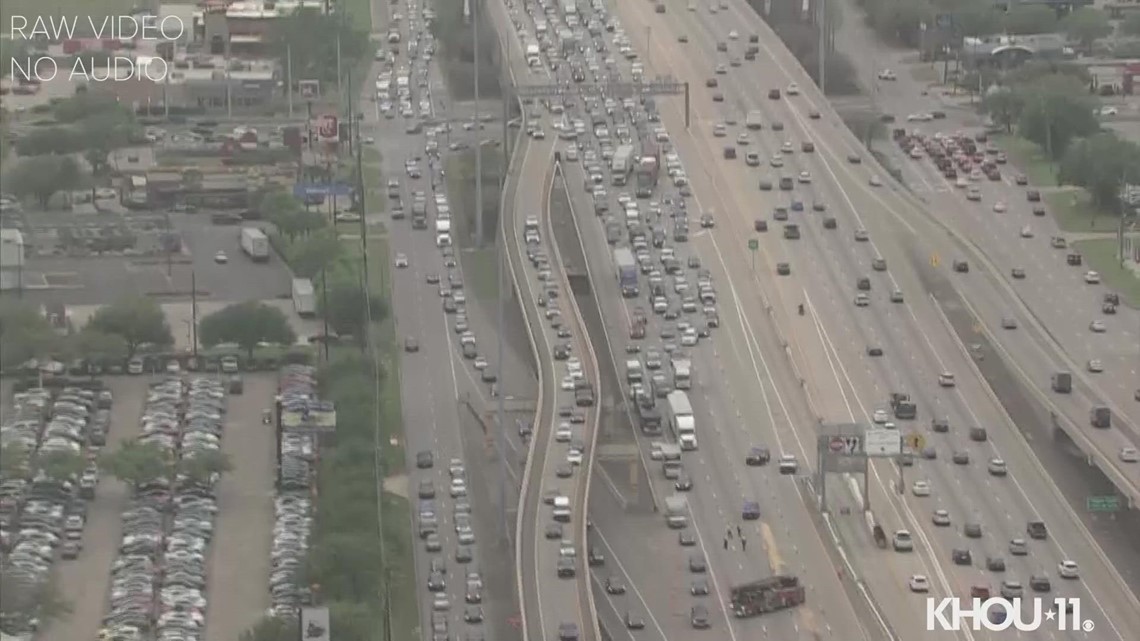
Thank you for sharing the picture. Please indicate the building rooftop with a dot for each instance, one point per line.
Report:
(265, 10)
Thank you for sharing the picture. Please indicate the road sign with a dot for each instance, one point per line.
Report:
(753, 244)
(934, 260)
(327, 128)
(1108, 503)
(310, 89)
(882, 442)
(915, 441)
(845, 444)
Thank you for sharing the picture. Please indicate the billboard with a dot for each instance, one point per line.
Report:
(882, 442)
(328, 129)
(315, 624)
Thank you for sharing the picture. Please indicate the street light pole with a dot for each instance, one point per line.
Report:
(474, 4)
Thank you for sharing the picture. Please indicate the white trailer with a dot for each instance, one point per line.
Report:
(681, 419)
(304, 297)
(622, 164)
(255, 244)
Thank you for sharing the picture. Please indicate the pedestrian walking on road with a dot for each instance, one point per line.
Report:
(739, 532)
(743, 544)
(726, 542)
(728, 532)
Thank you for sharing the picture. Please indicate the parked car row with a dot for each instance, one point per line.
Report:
(41, 515)
(158, 582)
(293, 507)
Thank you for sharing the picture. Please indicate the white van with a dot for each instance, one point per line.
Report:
(443, 226)
(443, 240)
(562, 509)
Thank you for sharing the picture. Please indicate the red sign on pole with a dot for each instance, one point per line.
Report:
(327, 128)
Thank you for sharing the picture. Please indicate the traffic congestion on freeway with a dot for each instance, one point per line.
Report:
(756, 275)
(830, 294)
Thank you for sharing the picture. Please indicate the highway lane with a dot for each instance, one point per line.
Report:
(1052, 290)
(432, 379)
(729, 425)
(1052, 284)
(893, 262)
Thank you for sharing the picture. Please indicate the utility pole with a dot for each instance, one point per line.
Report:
(474, 4)
(822, 46)
(288, 78)
(194, 312)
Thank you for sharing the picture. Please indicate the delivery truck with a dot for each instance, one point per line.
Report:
(681, 419)
(626, 267)
(304, 297)
(255, 244)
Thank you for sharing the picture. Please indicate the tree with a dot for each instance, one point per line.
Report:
(95, 345)
(248, 325)
(1102, 164)
(318, 251)
(136, 463)
(22, 602)
(1055, 110)
(346, 308)
(344, 564)
(100, 135)
(139, 321)
(13, 459)
(24, 334)
(1030, 19)
(86, 104)
(60, 465)
(308, 41)
(42, 176)
(1003, 105)
(1086, 25)
(271, 629)
(49, 140)
(1130, 25)
(203, 466)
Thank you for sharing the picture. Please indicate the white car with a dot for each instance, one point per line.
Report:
(719, 130)
(919, 583)
(1129, 455)
(1068, 570)
(887, 74)
(1095, 366)
(1108, 111)
(1092, 277)
(997, 467)
(999, 207)
(732, 35)
(946, 379)
(940, 518)
(805, 176)
(563, 434)
(1097, 326)
(875, 181)
(881, 416)
(574, 456)
(480, 363)
(777, 160)
(920, 488)
(221, 258)
(401, 260)
(1027, 232)
(568, 383)
(793, 89)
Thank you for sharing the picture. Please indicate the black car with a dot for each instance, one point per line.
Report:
(758, 456)
(961, 556)
(940, 424)
(699, 617)
(614, 585)
(424, 460)
(995, 564)
(634, 621)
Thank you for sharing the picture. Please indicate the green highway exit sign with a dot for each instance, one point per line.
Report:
(753, 244)
(1103, 503)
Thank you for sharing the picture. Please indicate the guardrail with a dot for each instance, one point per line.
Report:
(588, 463)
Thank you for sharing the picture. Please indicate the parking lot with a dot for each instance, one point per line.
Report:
(94, 280)
(215, 548)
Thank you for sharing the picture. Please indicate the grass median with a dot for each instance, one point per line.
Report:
(1030, 158)
(479, 263)
(1076, 214)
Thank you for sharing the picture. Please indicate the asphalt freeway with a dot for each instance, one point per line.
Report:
(1055, 292)
(548, 600)
(832, 339)
(732, 418)
(435, 377)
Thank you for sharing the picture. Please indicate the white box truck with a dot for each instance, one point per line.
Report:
(255, 244)
(681, 420)
(304, 297)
